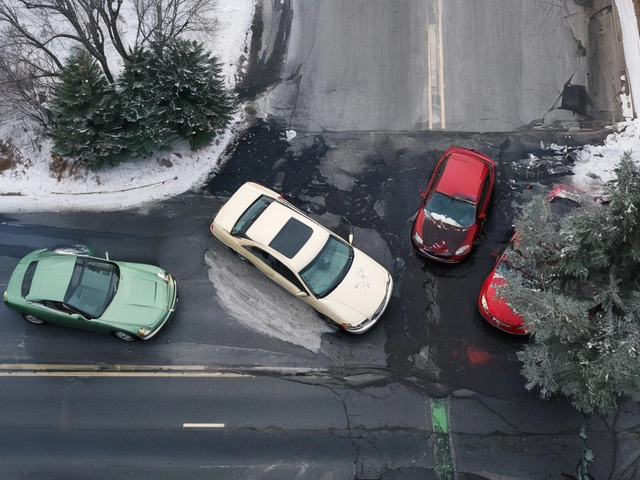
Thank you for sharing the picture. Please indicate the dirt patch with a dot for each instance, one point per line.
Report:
(10, 156)
(61, 168)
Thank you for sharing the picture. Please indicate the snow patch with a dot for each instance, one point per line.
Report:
(29, 186)
(444, 219)
(595, 164)
(262, 305)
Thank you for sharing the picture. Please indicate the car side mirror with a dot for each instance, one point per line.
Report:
(302, 294)
(423, 194)
(350, 229)
(482, 216)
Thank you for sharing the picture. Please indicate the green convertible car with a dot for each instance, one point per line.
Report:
(128, 300)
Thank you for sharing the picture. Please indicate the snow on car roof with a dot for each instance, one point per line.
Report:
(462, 177)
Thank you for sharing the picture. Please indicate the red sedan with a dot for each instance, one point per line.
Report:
(454, 205)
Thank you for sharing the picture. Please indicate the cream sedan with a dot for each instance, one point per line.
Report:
(342, 283)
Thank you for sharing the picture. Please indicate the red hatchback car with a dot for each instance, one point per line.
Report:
(492, 307)
(562, 199)
(454, 205)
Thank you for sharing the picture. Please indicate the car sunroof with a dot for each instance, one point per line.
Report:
(291, 238)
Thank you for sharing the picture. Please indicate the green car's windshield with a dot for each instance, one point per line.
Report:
(450, 210)
(326, 271)
(92, 287)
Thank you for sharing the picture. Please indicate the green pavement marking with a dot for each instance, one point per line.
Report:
(442, 458)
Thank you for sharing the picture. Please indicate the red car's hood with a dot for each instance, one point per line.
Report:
(498, 308)
(441, 237)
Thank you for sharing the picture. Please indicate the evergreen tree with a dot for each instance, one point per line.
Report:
(146, 129)
(581, 296)
(173, 89)
(191, 90)
(85, 121)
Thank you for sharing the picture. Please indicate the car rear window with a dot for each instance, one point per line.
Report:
(291, 238)
(27, 280)
(250, 215)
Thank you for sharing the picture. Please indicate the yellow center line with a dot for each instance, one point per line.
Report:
(93, 367)
(69, 370)
(84, 373)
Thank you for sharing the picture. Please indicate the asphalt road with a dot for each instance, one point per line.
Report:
(414, 65)
(371, 90)
(431, 342)
(223, 426)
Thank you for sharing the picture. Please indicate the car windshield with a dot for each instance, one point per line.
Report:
(250, 215)
(506, 270)
(450, 210)
(326, 271)
(93, 285)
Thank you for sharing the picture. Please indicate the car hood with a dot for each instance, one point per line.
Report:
(141, 301)
(441, 237)
(361, 291)
(498, 308)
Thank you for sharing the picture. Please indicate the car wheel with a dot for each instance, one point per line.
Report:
(242, 257)
(331, 323)
(31, 319)
(124, 336)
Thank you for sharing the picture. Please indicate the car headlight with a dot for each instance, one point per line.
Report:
(417, 238)
(164, 275)
(143, 332)
(463, 249)
(485, 305)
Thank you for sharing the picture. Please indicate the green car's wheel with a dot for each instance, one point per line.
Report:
(124, 336)
(31, 319)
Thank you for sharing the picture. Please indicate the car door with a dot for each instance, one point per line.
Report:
(277, 271)
(59, 314)
(483, 202)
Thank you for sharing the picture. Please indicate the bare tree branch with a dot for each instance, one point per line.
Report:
(37, 35)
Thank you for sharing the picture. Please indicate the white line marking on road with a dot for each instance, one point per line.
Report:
(443, 122)
(429, 78)
(203, 425)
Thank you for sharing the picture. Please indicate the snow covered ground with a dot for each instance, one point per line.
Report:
(30, 186)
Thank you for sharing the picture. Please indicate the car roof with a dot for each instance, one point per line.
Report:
(276, 218)
(51, 278)
(463, 176)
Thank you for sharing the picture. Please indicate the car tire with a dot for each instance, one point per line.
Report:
(124, 336)
(242, 257)
(331, 323)
(32, 319)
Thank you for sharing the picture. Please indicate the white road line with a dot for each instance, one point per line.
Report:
(429, 81)
(203, 425)
(443, 122)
